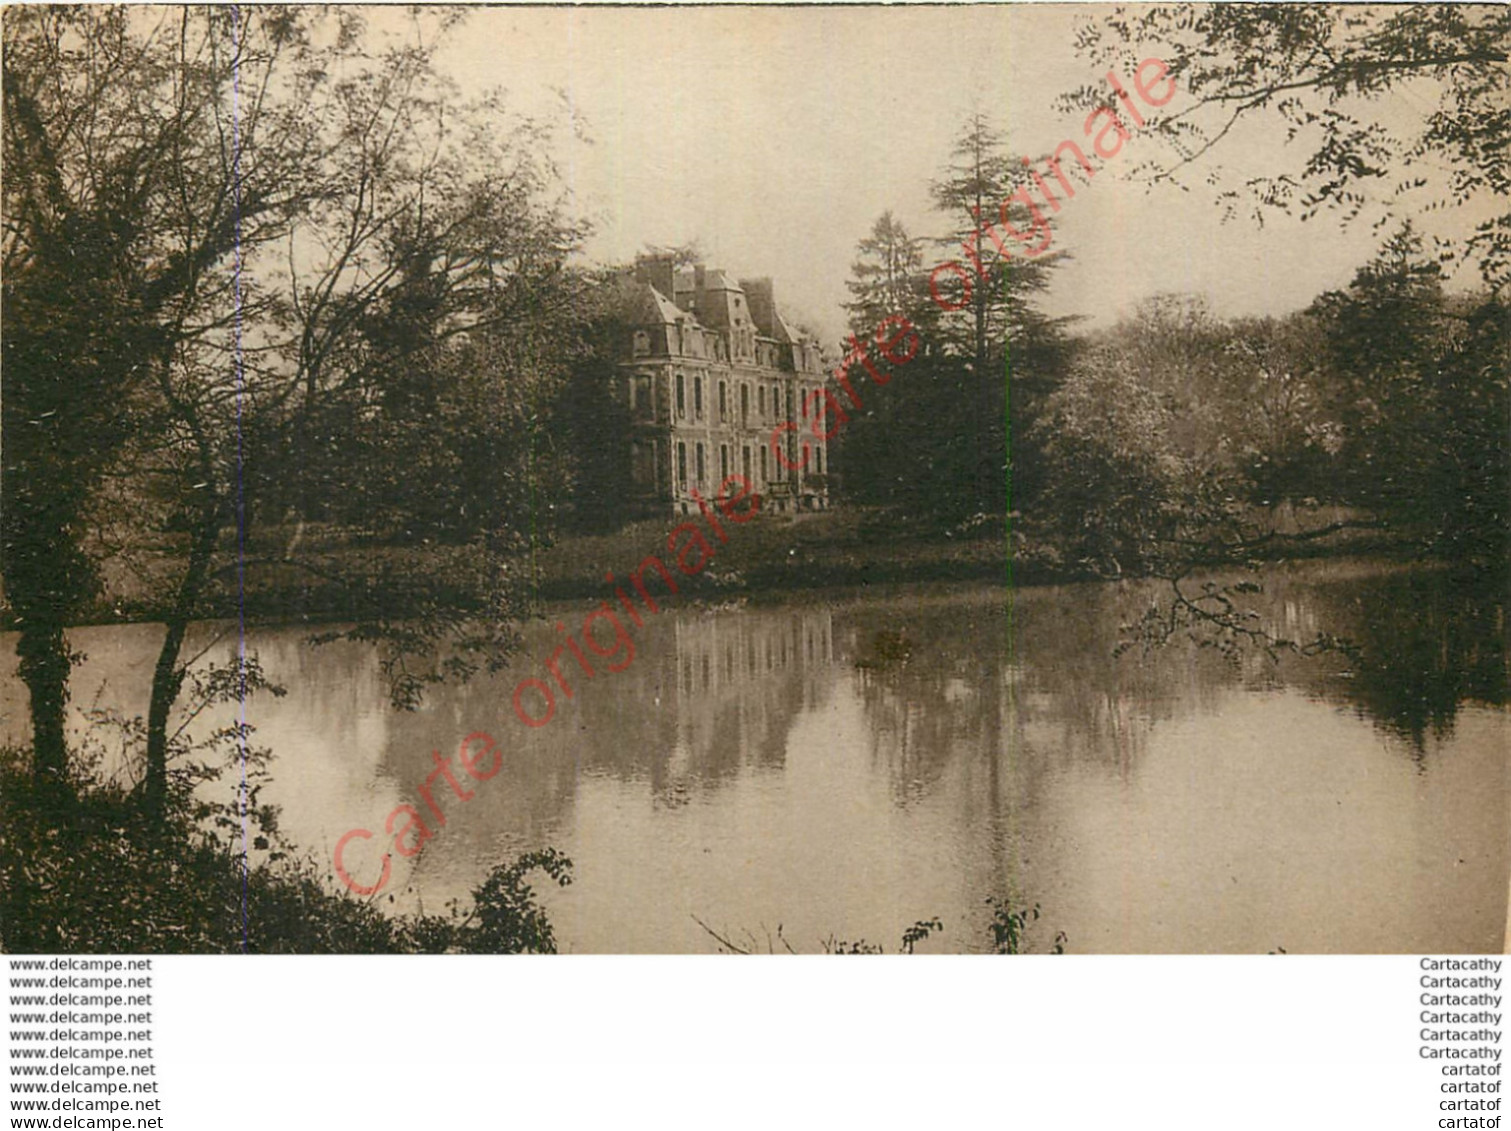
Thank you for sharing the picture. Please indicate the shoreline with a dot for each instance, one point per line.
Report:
(761, 573)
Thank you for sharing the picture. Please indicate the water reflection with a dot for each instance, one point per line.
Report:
(848, 767)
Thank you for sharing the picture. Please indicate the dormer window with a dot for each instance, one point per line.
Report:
(642, 344)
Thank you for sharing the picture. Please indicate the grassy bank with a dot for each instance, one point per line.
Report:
(772, 552)
(318, 573)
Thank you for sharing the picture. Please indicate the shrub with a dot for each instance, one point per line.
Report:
(103, 878)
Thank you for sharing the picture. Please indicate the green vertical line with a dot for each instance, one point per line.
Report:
(1011, 722)
(534, 508)
(1007, 464)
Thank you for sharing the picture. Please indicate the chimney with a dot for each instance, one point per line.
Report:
(761, 298)
(658, 271)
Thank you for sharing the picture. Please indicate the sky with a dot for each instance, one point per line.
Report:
(775, 136)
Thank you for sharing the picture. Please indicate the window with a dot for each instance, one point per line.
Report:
(764, 477)
(723, 403)
(697, 398)
(745, 463)
(723, 462)
(643, 464)
(642, 343)
(702, 467)
(682, 464)
(818, 460)
(681, 397)
(744, 406)
(761, 400)
(644, 404)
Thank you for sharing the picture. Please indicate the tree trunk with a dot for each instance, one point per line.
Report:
(44, 665)
(46, 580)
(167, 676)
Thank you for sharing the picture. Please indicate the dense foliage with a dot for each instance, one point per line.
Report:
(1174, 435)
(952, 443)
(114, 881)
(265, 269)
(1178, 437)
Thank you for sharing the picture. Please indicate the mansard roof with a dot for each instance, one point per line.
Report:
(779, 330)
(716, 279)
(659, 292)
(666, 309)
(761, 297)
(643, 305)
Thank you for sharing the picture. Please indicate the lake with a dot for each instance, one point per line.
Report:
(836, 766)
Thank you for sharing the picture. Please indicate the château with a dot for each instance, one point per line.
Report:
(710, 373)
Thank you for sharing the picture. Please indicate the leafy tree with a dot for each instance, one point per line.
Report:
(1174, 430)
(127, 189)
(413, 341)
(1134, 468)
(421, 235)
(686, 254)
(417, 281)
(1173, 427)
(1279, 399)
(592, 415)
(1422, 401)
(936, 445)
(889, 277)
(1013, 353)
(969, 193)
(981, 193)
(1322, 70)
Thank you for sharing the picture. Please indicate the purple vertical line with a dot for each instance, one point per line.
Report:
(241, 525)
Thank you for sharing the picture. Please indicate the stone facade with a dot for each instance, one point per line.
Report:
(709, 369)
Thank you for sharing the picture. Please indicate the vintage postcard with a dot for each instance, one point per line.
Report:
(987, 479)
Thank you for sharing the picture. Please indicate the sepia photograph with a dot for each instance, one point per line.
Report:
(1013, 479)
